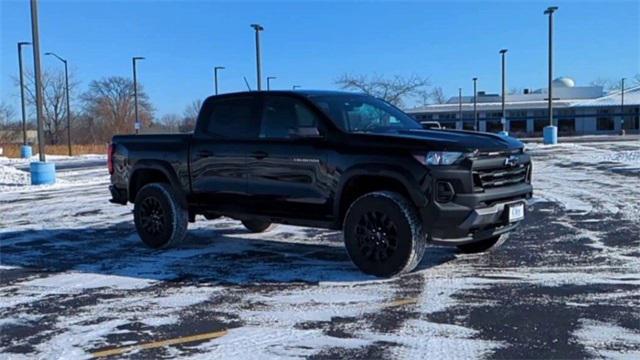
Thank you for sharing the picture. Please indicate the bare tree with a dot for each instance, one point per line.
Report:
(600, 82)
(424, 97)
(6, 114)
(190, 115)
(109, 106)
(396, 90)
(170, 123)
(54, 102)
(7, 123)
(607, 84)
(437, 95)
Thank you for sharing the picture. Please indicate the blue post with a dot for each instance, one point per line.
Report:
(503, 133)
(43, 173)
(550, 135)
(25, 151)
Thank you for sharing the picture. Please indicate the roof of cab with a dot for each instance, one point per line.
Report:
(309, 93)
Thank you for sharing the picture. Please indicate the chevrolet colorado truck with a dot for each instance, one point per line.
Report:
(326, 159)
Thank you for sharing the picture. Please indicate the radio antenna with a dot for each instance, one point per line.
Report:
(246, 83)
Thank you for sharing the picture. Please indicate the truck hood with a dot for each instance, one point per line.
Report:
(457, 140)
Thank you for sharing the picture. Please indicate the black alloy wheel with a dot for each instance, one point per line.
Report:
(152, 216)
(377, 236)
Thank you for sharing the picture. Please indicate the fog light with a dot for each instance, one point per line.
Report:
(444, 191)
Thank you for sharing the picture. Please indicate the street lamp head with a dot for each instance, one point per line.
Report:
(24, 43)
(138, 58)
(219, 68)
(503, 51)
(475, 78)
(271, 77)
(257, 27)
(56, 55)
(550, 10)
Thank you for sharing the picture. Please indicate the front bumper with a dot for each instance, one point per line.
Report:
(473, 217)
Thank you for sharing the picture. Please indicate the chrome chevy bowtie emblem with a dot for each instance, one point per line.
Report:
(512, 160)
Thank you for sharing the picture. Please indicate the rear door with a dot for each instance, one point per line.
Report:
(226, 126)
(287, 165)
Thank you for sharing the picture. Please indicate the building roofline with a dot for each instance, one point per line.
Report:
(563, 103)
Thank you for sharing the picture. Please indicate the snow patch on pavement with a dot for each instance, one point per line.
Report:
(608, 341)
(610, 184)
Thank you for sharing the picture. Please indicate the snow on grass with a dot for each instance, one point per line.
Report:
(15, 175)
(10, 177)
(52, 158)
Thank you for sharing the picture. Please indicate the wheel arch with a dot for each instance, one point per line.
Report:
(145, 172)
(359, 181)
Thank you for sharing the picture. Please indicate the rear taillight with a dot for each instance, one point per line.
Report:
(110, 158)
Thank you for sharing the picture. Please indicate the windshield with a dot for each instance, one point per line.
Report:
(360, 113)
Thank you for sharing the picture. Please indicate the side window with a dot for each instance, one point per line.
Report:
(285, 117)
(235, 118)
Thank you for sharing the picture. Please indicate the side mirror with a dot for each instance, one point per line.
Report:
(306, 132)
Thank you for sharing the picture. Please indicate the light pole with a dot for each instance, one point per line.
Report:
(215, 77)
(135, 91)
(503, 52)
(622, 107)
(42, 172)
(66, 84)
(295, 87)
(475, 105)
(550, 135)
(35, 34)
(269, 78)
(460, 107)
(258, 28)
(24, 116)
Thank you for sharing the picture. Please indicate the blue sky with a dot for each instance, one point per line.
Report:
(312, 43)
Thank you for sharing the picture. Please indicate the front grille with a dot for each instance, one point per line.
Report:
(502, 176)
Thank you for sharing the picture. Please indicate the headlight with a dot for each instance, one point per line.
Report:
(442, 157)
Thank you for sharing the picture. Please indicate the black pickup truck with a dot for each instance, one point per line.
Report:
(326, 159)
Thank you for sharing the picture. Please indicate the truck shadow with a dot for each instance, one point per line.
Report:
(229, 255)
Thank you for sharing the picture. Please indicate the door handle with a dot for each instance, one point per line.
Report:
(204, 153)
(259, 155)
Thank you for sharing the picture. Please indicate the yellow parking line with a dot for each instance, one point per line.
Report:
(206, 336)
(157, 344)
(401, 302)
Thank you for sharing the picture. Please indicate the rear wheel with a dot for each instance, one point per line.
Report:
(258, 226)
(160, 219)
(485, 245)
(383, 234)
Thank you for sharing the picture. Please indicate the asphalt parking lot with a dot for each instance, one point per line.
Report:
(76, 282)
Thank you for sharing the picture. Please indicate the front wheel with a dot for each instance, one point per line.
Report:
(160, 219)
(485, 245)
(383, 234)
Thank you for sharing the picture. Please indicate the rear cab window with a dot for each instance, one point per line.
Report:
(231, 118)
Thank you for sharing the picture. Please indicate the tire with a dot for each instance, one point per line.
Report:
(486, 245)
(160, 219)
(383, 234)
(258, 226)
